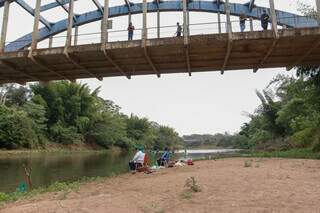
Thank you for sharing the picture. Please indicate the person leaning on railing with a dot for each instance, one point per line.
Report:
(130, 31)
(264, 20)
(242, 20)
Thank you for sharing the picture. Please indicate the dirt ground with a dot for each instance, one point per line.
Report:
(227, 185)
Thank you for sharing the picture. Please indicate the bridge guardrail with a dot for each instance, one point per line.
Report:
(165, 32)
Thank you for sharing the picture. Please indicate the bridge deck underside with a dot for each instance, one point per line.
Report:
(168, 55)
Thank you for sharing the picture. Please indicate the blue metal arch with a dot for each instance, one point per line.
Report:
(284, 18)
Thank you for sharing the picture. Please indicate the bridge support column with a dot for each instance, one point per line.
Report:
(275, 35)
(186, 34)
(35, 27)
(4, 29)
(230, 39)
(144, 33)
(104, 23)
(70, 24)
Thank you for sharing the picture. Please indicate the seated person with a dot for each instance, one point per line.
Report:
(137, 160)
(164, 159)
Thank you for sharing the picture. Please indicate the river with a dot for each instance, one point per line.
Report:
(50, 167)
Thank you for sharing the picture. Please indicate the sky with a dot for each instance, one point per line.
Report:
(206, 102)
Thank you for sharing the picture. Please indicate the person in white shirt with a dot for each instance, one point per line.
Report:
(137, 160)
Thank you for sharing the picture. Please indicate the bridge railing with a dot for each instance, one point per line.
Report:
(165, 32)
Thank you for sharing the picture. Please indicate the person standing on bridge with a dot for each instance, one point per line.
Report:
(179, 30)
(130, 31)
(264, 20)
(242, 19)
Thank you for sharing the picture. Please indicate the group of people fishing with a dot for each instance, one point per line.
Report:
(264, 18)
(140, 160)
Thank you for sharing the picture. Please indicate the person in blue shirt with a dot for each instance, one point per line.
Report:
(164, 159)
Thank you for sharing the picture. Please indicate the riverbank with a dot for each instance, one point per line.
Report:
(226, 185)
(4, 153)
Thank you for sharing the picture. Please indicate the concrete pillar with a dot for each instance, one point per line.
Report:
(104, 22)
(144, 22)
(273, 17)
(185, 22)
(219, 22)
(76, 33)
(251, 23)
(158, 23)
(70, 24)
(36, 25)
(50, 41)
(4, 25)
(228, 13)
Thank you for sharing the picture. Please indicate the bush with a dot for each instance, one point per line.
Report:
(316, 142)
(303, 138)
(65, 135)
(16, 129)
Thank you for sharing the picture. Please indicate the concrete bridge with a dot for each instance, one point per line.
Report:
(297, 43)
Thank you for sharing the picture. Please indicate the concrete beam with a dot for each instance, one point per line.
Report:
(304, 56)
(145, 51)
(31, 11)
(4, 28)
(111, 61)
(230, 39)
(41, 64)
(16, 69)
(187, 50)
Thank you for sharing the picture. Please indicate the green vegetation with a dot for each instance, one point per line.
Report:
(64, 113)
(289, 114)
(55, 187)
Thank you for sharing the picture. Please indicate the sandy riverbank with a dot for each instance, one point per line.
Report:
(227, 185)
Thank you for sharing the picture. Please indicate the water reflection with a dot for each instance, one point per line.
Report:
(48, 168)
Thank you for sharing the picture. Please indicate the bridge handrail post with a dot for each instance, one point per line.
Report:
(50, 41)
(251, 23)
(219, 21)
(4, 29)
(76, 33)
(104, 23)
(35, 27)
(158, 23)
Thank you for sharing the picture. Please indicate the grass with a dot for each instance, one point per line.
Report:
(65, 187)
(293, 153)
